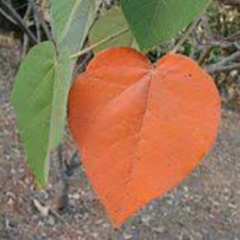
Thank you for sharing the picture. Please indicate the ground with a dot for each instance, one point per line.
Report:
(205, 206)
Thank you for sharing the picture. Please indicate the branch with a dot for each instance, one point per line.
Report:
(8, 17)
(222, 68)
(227, 64)
(64, 198)
(41, 19)
(66, 170)
(22, 25)
(227, 60)
(208, 48)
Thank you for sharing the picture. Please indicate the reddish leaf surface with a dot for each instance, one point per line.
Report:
(141, 129)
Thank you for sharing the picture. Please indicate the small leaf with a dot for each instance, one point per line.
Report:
(108, 25)
(141, 129)
(40, 97)
(71, 21)
(156, 21)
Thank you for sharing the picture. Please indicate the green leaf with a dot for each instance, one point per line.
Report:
(156, 21)
(40, 99)
(71, 20)
(108, 25)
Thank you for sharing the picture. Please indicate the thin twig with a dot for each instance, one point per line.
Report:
(208, 48)
(25, 45)
(235, 56)
(8, 17)
(25, 36)
(63, 201)
(97, 44)
(185, 36)
(38, 25)
(204, 54)
(233, 36)
(7, 7)
(223, 68)
(226, 64)
(27, 14)
(40, 18)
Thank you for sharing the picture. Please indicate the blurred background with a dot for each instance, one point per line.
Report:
(205, 206)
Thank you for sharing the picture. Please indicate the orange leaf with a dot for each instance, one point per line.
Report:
(141, 129)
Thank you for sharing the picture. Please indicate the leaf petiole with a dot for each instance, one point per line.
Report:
(97, 44)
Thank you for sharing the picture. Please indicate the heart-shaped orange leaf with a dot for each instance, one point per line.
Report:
(141, 129)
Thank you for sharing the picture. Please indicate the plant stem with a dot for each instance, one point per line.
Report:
(97, 44)
(190, 29)
(64, 198)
